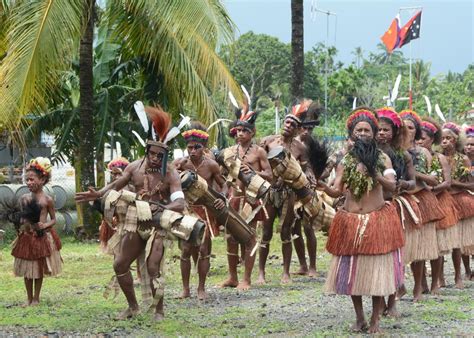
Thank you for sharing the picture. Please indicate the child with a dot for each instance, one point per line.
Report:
(36, 249)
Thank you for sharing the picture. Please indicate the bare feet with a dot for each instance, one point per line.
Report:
(185, 294)
(229, 283)
(34, 302)
(417, 296)
(435, 290)
(261, 279)
(312, 272)
(374, 328)
(158, 317)
(202, 295)
(459, 284)
(402, 290)
(359, 326)
(442, 283)
(25, 304)
(127, 313)
(302, 271)
(285, 278)
(243, 285)
(391, 312)
(468, 276)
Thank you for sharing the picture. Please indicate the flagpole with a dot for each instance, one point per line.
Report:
(410, 102)
(410, 93)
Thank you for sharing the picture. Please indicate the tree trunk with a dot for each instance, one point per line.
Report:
(297, 49)
(86, 111)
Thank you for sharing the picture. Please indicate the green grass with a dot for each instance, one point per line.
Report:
(73, 303)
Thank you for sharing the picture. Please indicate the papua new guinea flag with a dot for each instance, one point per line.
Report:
(411, 30)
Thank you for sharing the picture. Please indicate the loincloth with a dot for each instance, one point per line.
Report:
(450, 209)
(365, 275)
(279, 197)
(375, 233)
(244, 208)
(465, 202)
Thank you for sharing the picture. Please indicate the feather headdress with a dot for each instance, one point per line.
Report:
(470, 131)
(161, 123)
(410, 114)
(299, 111)
(118, 164)
(361, 114)
(390, 114)
(452, 127)
(244, 116)
(197, 133)
(41, 165)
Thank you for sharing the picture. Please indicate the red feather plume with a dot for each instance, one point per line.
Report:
(160, 119)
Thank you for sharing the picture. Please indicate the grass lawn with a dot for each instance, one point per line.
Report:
(73, 303)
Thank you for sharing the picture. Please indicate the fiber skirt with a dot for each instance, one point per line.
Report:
(465, 202)
(375, 233)
(421, 244)
(365, 275)
(450, 209)
(429, 206)
(448, 239)
(34, 269)
(466, 228)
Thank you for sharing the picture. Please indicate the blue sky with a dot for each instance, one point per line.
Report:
(447, 31)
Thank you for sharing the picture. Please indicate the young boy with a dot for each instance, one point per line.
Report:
(36, 249)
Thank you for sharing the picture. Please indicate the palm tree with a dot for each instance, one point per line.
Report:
(297, 49)
(359, 56)
(43, 37)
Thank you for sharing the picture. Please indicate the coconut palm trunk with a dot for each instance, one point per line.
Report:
(86, 111)
(297, 49)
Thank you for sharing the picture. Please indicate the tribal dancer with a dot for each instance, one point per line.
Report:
(421, 243)
(106, 231)
(36, 249)
(253, 160)
(159, 185)
(446, 230)
(305, 135)
(196, 142)
(282, 197)
(389, 139)
(462, 185)
(366, 236)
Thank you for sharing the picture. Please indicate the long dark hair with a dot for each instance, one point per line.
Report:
(367, 153)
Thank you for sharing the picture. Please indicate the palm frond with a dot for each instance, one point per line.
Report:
(41, 40)
(182, 50)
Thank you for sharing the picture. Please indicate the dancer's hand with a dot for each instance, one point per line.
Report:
(86, 196)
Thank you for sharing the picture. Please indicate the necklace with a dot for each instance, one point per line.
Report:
(199, 166)
(245, 153)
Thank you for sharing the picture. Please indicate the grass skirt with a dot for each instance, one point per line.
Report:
(34, 269)
(448, 239)
(375, 233)
(365, 275)
(411, 219)
(430, 209)
(450, 209)
(465, 202)
(421, 244)
(466, 228)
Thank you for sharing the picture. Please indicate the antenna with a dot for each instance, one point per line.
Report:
(314, 11)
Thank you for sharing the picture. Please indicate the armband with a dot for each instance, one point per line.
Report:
(177, 194)
(390, 171)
